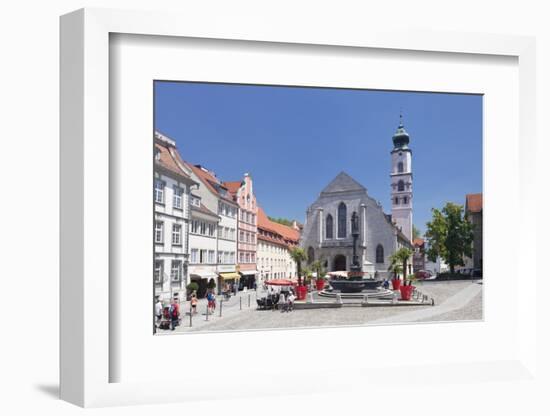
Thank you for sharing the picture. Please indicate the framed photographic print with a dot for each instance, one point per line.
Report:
(330, 199)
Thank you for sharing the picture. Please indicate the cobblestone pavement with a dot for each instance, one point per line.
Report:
(455, 301)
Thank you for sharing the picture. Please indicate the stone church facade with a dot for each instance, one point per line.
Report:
(327, 230)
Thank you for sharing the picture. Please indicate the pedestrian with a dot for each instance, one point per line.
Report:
(291, 299)
(174, 314)
(211, 302)
(282, 302)
(158, 310)
(194, 302)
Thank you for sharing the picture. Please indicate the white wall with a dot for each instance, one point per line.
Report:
(29, 108)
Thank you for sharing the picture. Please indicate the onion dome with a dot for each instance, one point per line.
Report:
(401, 137)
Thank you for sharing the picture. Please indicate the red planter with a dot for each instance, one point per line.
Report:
(396, 284)
(406, 292)
(301, 292)
(320, 284)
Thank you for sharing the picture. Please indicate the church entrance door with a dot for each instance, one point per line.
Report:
(339, 263)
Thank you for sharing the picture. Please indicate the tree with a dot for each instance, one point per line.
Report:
(416, 232)
(318, 267)
(450, 235)
(401, 257)
(395, 267)
(299, 255)
(283, 221)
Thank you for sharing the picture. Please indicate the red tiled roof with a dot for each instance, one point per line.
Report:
(209, 180)
(168, 159)
(474, 202)
(288, 234)
(418, 242)
(232, 187)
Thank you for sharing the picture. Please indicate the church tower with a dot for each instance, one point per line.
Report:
(401, 181)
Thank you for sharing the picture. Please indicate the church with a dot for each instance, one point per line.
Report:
(327, 230)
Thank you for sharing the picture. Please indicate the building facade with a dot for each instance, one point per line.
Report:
(213, 199)
(474, 212)
(327, 230)
(275, 242)
(401, 182)
(203, 244)
(419, 256)
(242, 193)
(172, 187)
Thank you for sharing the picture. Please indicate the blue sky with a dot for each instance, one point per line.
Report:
(294, 141)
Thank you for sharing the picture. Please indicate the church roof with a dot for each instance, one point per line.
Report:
(343, 183)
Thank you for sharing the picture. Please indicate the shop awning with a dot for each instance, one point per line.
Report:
(230, 275)
(249, 272)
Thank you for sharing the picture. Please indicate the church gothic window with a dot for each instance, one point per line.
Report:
(400, 167)
(379, 253)
(400, 186)
(342, 214)
(329, 227)
(405, 200)
(310, 255)
(396, 201)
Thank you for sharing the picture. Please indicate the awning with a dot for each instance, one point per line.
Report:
(249, 272)
(230, 275)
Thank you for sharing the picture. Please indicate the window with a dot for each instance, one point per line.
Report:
(176, 234)
(241, 236)
(241, 257)
(202, 256)
(396, 201)
(252, 257)
(211, 256)
(400, 167)
(247, 257)
(211, 230)
(159, 191)
(175, 272)
(405, 200)
(159, 265)
(342, 213)
(329, 227)
(159, 228)
(379, 253)
(310, 255)
(195, 201)
(400, 186)
(194, 255)
(202, 227)
(178, 192)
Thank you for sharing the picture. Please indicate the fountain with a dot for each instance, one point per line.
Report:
(355, 284)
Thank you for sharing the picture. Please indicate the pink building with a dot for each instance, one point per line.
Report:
(247, 230)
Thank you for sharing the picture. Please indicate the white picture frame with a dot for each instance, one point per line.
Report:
(87, 356)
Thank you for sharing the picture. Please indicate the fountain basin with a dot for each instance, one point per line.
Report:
(354, 286)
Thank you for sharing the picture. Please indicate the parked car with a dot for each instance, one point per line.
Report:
(423, 274)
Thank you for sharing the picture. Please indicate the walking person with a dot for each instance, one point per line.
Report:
(158, 311)
(194, 302)
(174, 314)
(291, 299)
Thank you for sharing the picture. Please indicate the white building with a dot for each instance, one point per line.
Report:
(401, 182)
(171, 198)
(213, 198)
(275, 241)
(203, 244)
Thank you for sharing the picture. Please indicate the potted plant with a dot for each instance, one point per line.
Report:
(395, 269)
(400, 257)
(320, 271)
(407, 288)
(299, 255)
